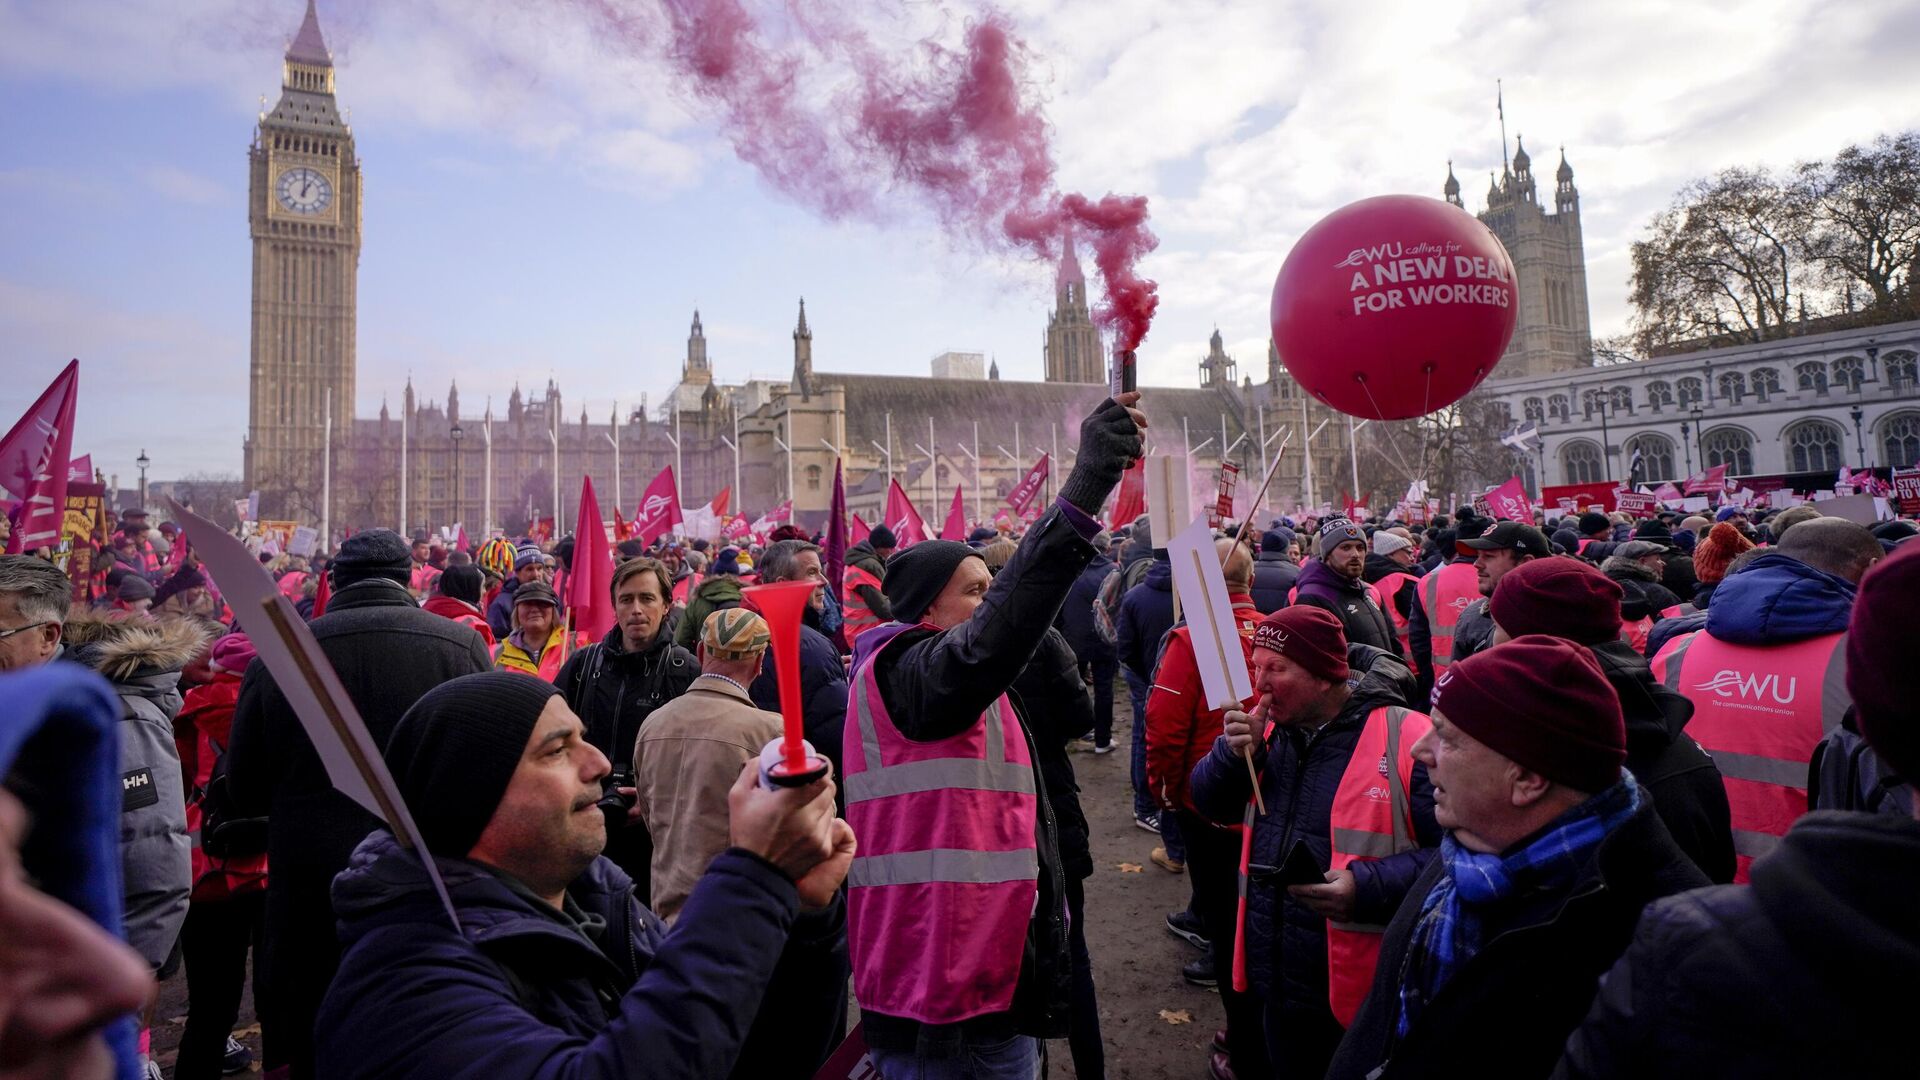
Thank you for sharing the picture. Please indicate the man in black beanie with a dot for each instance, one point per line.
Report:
(387, 652)
(980, 921)
(556, 968)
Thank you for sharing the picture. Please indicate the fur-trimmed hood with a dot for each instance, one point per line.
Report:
(1619, 568)
(122, 649)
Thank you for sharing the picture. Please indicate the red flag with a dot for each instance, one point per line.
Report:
(460, 536)
(590, 584)
(659, 508)
(719, 504)
(737, 528)
(1710, 482)
(772, 519)
(956, 526)
(620, 529)
(81, 471)
(320, 593)
(1029, 486)
(34, 462)
(902, 517)
(1131, 502)
(1509, 501)
(858, 531)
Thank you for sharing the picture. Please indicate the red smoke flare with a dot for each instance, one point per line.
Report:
(958, 130)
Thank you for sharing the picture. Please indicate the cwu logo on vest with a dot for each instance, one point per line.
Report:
(1728, 683)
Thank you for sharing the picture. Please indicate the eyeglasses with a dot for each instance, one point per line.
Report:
(5, 634)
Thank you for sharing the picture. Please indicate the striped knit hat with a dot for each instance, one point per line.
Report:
(734, 634)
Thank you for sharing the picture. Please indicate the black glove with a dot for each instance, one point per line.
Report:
(1109, 443)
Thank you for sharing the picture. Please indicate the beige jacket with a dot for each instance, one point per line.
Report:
(689, 753)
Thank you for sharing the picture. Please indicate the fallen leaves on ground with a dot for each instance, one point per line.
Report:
(1130, 868)
(1176, 1016)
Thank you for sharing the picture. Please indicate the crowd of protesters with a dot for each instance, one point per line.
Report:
(1585, 796)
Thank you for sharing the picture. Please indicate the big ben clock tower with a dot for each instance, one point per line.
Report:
(303, 212)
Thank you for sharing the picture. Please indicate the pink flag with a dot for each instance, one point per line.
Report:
(736, 529)
(858, 530)
(1509, 501)
(81, 471)
(1710, 482)
(659, 508)
(590, 583)
(1666, 491)
(905, 520)
(1029, 486)
(34, 462)
(772, 519)
(956, 526)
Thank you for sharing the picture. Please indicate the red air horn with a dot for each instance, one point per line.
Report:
(789, 761)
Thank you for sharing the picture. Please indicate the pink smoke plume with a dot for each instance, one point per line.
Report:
(960, 130)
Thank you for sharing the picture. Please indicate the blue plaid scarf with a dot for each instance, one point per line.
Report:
(1450, 933)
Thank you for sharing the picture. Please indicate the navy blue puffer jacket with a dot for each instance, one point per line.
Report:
(1286, 941)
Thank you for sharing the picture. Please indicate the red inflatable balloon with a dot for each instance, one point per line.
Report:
(1395, 306)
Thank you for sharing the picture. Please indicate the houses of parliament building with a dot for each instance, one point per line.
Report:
(766, 441)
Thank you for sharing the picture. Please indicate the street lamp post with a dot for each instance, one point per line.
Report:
(1699, 438)
(1859, 439)
(143, 461)
(486, 434)
(613, 436)
(1686, 444)
(456, 433)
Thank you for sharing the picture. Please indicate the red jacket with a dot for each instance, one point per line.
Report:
(200, 734)
(1181, 728)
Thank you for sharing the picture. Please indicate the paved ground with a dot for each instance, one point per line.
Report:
(1136, 962)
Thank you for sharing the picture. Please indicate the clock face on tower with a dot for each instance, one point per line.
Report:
(303, 190)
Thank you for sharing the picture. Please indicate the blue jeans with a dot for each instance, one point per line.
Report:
(1017, 1058)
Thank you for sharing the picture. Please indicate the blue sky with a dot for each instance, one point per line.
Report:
(542, 204)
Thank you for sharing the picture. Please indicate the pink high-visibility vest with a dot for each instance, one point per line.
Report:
(1384, 591)
(1760, 711)
(1372, 818)
(940, 894)
(1444, 595)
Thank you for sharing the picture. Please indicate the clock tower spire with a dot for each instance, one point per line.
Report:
(303, 215)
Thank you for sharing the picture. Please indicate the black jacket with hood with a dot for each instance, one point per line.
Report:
(1806, 971)
(1685, 785)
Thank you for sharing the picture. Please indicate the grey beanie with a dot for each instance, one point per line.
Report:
(1337, 531)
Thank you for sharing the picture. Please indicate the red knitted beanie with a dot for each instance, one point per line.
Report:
(1543, 703)
(1309, 636)
(1712, 554)
(1561, 596)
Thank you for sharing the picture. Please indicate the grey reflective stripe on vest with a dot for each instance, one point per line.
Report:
(879, 780)
(1430, 596)
(1402, 835)
(1373, 845)
(944, 865)
(1834, 698)
(1760, 770)
(1754, 844)
(1675, 658)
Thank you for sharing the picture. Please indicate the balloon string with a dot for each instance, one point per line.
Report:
(1392, 443)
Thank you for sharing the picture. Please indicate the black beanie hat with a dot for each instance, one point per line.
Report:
(370, 554)
(461, 582)
(881, 537)
(454, 753)
(916, 575)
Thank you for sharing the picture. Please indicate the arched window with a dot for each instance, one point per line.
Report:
(1591, 401)
(1656, 457)
(1766, 382)
(1813, 446)
(1622, 397)
(1003, 487)
(1580, 462)
(1729, 446)
(813, 477)
(1691, 392)
(1733, 386)
(1557, 406)
(1900, 439)
(1659, 393)
(1535, 409)
(1811, 375)
(1502, 413)
(1901, 370)
(1850, 372)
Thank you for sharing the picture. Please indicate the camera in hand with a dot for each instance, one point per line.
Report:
(615, 803)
